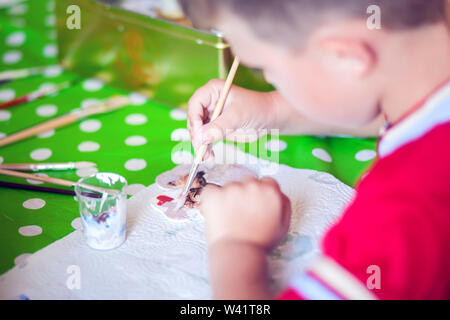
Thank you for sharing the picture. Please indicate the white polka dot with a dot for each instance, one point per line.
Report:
(180, 134)
(50, 20)
(92, 85)
(86, 172)
(41, 154)
(178, 114)
(88, 146)
(182, 157)
(135, 141)
(46, 134)
(7, 94)
(21, 260)
(77, 224)
(90, 125)
(12, 57)
(50, 50)
(2, 135)
(1, 159)
(322, 155)
(47, 110)
(36, 181)
(87, 103)
(5, 115)
(53, 71)
(132, 189)
(16, 39)
(365, 155)
(47, 86)
(18, 9)
(34, 204)
(30, 231)
(136, 119)
(276, 145)
(135, 164)
(137, 99)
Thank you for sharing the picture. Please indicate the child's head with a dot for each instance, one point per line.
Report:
(321, 54)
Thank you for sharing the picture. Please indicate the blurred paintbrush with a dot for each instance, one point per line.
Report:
(111, 104)
(61, 182)
(202, 150)
(19, 186)
(36, 95)
(22, 73)
(47, 166)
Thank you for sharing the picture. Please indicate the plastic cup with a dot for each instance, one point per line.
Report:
(103, 215)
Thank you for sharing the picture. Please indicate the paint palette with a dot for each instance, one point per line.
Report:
(173, 181)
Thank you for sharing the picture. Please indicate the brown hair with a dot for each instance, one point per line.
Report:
(283, 20)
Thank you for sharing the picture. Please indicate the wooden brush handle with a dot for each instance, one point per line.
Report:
(18, 166)
(219, 106)
(40, 128)
(112, 104)
(56, 181)
(38, 166)
(24, 175)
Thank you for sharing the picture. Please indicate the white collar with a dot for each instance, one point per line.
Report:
(435, 111)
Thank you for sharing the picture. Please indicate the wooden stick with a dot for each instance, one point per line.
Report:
(220, 104)
(21, 73)
(202, 150)
(61, 182)
(112, 104)
(40, 128)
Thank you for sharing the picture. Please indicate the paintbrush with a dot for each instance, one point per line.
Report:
(19, 186)
(61, 182)
(111, 104)
(202, 150)
(22, 73)
(47, 166)
(36, 95)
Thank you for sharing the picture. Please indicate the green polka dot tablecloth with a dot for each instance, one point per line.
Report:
(28, 34)
(137, 142)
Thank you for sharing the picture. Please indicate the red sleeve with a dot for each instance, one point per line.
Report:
(399, 222)
(290, 294)
(394, 250)
(394, 238)
(401, 248)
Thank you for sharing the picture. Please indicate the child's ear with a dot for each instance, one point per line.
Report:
(350, 56)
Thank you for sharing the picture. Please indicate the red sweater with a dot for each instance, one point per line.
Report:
(393, 241)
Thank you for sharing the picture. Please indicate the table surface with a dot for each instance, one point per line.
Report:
(167, 259)
(138, 142)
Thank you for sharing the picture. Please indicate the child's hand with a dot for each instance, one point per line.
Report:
(254, 212)
(244, 114)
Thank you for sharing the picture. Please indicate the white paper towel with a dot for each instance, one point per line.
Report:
(164, 259)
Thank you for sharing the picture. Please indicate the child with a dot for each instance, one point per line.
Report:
(335, 73)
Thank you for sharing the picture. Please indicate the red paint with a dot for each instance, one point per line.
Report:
(163, 199)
